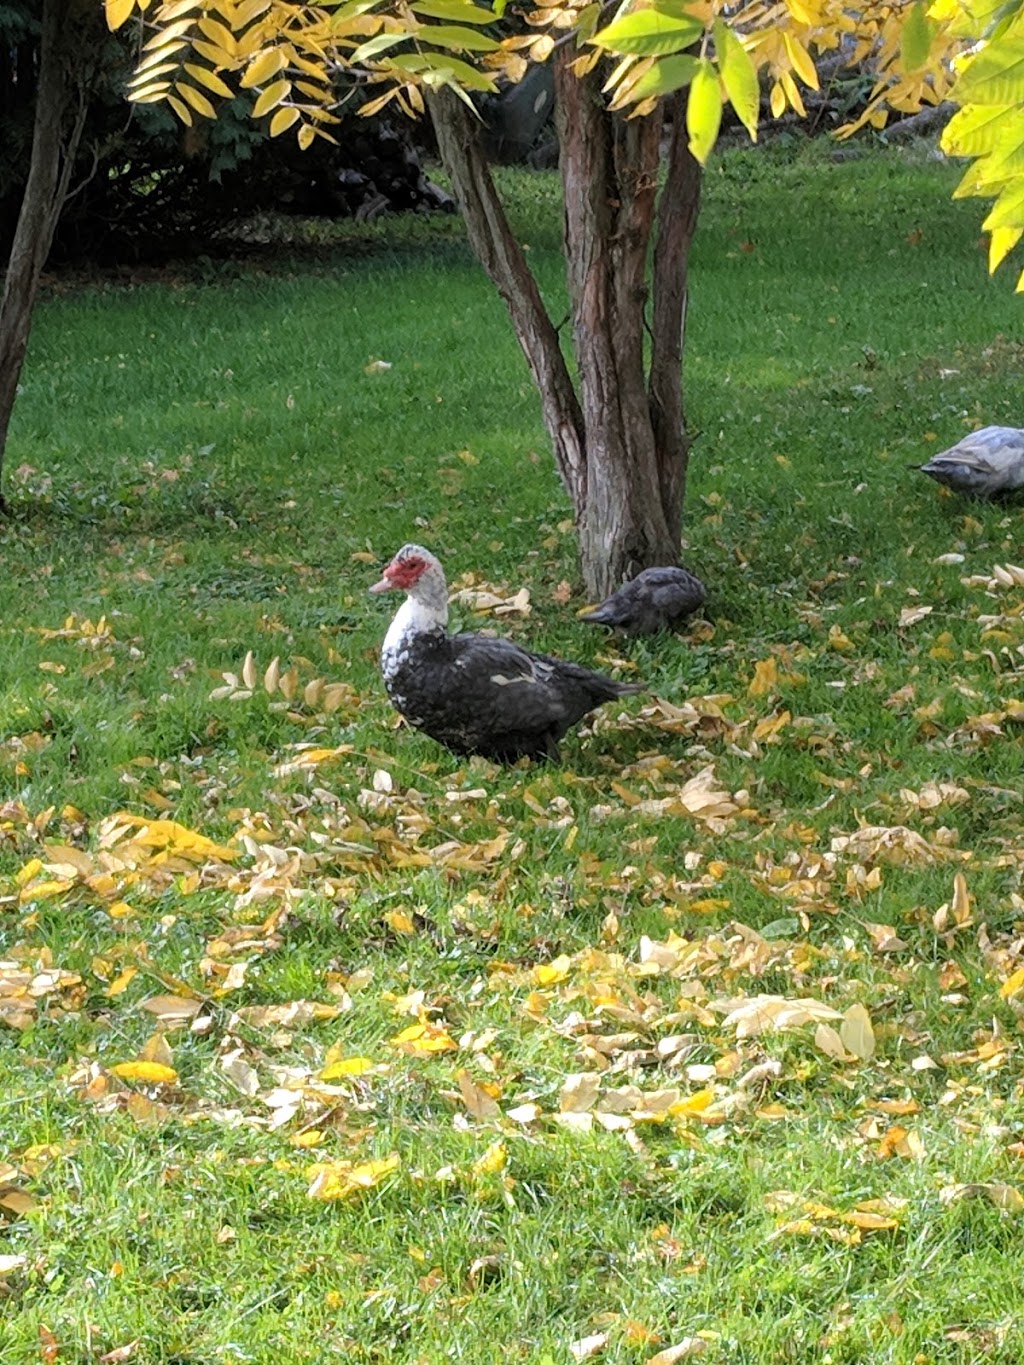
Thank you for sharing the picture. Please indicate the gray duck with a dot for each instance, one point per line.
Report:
(984, 464)
(656, 599)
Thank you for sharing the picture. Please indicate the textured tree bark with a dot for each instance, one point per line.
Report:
(609, 176)
(618, 434)
(677, 221)
(53, 150)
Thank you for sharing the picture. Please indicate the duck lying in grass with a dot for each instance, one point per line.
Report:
(656, 599)
(985, 464)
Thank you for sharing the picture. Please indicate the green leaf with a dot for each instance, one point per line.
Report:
(994, 76)
(979, 17)
(703, 110)
(1007, 16)
(454, 11)
(365, 51)
(978, 183)
(451, 70)
(675, 10)
(648, 33)
(1008, 210)
(977, 129)
(918, 32)
(738, 76)
(787, 927)
(586, 22)
(352, 10)
(458, 39)
(1007, 158)
(667, 74)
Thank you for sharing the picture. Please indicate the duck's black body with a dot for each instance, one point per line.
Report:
(656, 599)
(473, 693)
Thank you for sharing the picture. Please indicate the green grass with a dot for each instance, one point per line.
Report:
(205, 461)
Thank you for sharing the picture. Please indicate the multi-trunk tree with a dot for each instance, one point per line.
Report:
(640, 88)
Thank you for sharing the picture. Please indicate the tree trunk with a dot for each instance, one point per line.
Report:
(677, 222)
(620, 443)
(53, 150)
(609, 176)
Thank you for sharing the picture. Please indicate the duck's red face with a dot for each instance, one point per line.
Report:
(406, 569)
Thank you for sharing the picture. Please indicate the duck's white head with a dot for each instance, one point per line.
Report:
(418, 573)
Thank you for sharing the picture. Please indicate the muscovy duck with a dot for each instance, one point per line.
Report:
(472, 693)
(656, 599)
(984, 464)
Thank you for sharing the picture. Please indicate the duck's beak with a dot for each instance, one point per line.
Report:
(385, 585)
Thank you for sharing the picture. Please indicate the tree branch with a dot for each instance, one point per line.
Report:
(458, 140)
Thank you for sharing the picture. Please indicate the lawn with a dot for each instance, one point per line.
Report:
(318, 1043)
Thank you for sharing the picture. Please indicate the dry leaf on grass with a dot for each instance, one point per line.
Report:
(856, 1032)
(935, 794)
(686, 1349)
(754, 1014)
(587, 1347)
(896, 844)
(120, 1353)
(485, 600)
(1003, 1196)
(901, 1142)
(579, 1092)
(480, 1104)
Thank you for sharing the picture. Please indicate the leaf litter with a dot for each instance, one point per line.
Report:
(648, 1039)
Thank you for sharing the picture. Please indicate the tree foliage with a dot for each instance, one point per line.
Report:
(200, 52)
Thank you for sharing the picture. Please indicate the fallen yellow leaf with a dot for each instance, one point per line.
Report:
(399, 922)
(492, 1161)
(341, 1179)
(155, 1073)
(346, 1066)
(424, 1037)
(551, 973)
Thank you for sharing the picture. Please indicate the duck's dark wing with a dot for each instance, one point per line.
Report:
(652, 601)
(479, 695)
(673, 592)
(525, 691)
